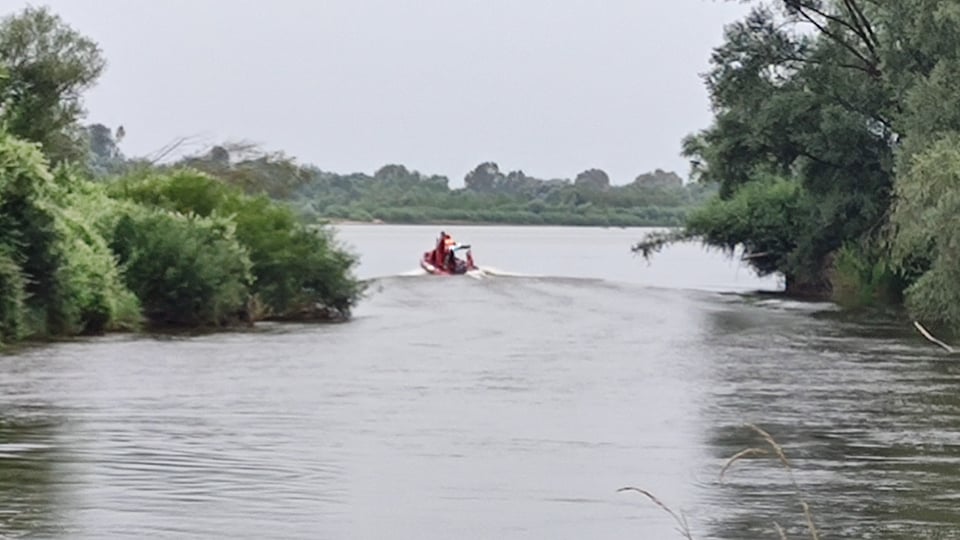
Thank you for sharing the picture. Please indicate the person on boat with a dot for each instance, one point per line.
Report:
(438, 256)
(444, 248)
(451, 262)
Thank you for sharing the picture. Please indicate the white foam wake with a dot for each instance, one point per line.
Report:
(492, 271)
(479, 273)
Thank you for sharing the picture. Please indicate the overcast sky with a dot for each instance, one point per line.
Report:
(551, 87)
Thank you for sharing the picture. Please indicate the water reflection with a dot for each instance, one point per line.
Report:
(29, 487)
(868, 415)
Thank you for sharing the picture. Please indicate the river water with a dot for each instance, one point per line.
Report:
(512, 404)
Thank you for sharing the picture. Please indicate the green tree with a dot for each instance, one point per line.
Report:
(926, 225)
(484, 178)
(812, 108)
(593, 179)
(105, 157)
(48, 65)
(58, 276)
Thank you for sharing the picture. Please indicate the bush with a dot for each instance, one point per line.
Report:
(59, 275)
(28, 230)
(863, 276)
(89, 278)
(12, 299)
(295, 267)
(296, 270)
(186, 270)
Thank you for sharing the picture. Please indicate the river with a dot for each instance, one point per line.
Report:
(513, 404)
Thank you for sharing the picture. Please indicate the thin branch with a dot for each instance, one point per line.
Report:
(864, 21)
(865, 69)
(752, 256)
(821, 161)
(169, 148)
(655, 241)
(853, 108)
(854, 27)
(872, 68)
(932, 339)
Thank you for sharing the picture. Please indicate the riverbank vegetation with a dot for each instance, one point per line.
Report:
(834, 148)
(395, 194)
(658, 198)
(87, 247)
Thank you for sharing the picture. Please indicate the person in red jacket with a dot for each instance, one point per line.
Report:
(440, 252)
(449, 259)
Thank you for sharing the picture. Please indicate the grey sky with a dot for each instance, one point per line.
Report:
(551, 87)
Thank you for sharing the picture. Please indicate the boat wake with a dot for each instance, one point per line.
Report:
(497, 272)
(483, 272)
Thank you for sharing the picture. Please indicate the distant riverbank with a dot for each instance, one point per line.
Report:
(587, 222)
(480, 224)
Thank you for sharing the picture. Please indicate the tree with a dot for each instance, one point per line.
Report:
(48, 65)
(105, 157)
(102, 144)
(813, 109)
(250, 168)
(484, 178)
(846, 110)
(659, 178)
(593, 179)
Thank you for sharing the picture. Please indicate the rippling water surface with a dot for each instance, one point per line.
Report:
(510, 405)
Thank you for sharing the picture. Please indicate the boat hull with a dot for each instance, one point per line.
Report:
(430, 268)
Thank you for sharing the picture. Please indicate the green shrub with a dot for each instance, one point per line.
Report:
(186, 270)
(863, 277)
(96, 297)
(295, 267)
(295, 270)
(28, 228)
(12, 299)
(59, 275)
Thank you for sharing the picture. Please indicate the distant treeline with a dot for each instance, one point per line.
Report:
(394, 194)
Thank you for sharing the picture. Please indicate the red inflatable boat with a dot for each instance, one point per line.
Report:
(443, 260)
